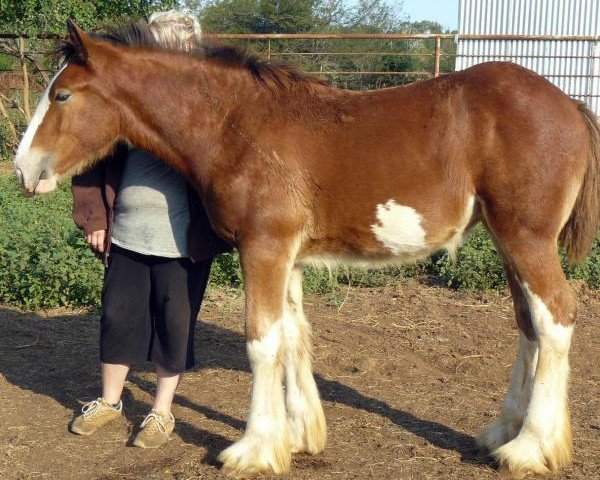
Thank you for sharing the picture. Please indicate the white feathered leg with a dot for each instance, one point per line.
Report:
(516, 401)
(306, 419)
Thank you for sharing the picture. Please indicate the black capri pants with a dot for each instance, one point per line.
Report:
(149, 309)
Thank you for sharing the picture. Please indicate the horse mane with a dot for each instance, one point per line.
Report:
(265, 71)
(137, 34)
(128, 34)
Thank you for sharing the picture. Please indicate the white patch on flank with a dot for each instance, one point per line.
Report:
(399, 228)
(36, 120)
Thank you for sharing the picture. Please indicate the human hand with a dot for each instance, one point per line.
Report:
(97, 240)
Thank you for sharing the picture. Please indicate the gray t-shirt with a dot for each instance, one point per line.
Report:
(151, 212)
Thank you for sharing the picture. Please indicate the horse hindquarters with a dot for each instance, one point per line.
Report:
(533, 434)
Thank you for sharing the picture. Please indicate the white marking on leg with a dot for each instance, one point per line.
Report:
(399, 228)
(548, 411)
(516, 400)
(305, 412)
(520, 387)
(265, 445)
(295, 402)
(544, 442)
(267, 391)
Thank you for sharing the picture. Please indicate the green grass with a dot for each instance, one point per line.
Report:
(44, 261)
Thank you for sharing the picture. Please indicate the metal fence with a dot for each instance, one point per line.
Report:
(555, 38)
(349, 60)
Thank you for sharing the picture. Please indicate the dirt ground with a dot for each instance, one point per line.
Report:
(408, 375)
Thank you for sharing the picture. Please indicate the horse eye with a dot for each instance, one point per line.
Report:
(62, 96)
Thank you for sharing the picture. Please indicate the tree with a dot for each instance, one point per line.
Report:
(31, 17)
(296, 16)
(260, 16)
(375, 16)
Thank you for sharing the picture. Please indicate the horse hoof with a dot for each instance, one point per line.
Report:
(251, 456)
(521, 457)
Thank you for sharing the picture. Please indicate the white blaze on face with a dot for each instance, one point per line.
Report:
(399, 228)
(26, 159)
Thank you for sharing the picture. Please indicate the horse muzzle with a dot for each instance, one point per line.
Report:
(34, 177)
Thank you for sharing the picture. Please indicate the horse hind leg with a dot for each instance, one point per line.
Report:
(516, 400)
(543, 442)
(521, 383)
(305, 415)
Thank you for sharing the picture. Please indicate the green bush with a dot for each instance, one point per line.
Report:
(226, 270)
(477, 265)
(44, 261)
(5, 141)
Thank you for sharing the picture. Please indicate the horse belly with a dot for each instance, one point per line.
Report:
(395, 234)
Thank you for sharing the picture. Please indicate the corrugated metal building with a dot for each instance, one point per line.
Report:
(572, 65)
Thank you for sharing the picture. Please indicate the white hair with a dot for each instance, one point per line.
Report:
(175, 29)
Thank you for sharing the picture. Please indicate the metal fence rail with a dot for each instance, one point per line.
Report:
(352, 60)
(532, 33)
(437, 53)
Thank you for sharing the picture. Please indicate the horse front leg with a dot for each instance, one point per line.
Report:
(306, 419)
(265, 446)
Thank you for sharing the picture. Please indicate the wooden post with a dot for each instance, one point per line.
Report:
(438, 52)
(14, 139)
(25, 73)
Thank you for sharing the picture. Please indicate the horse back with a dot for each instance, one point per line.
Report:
(406, 171)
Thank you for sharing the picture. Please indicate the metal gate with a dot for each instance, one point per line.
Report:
(559, 39)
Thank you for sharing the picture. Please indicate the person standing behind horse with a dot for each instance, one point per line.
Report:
(158, 247)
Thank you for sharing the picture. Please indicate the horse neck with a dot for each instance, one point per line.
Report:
(179, 107)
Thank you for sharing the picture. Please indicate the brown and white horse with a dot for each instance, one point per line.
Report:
(292, 170)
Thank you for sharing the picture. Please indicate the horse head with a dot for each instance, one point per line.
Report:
(76, 120)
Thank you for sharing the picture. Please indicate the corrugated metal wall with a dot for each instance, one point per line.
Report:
(574, 66)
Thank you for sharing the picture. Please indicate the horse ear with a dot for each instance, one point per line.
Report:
(78, 39)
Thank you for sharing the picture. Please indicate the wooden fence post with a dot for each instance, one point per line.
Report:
(25, 73)
(438, 53)
(14, 139)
